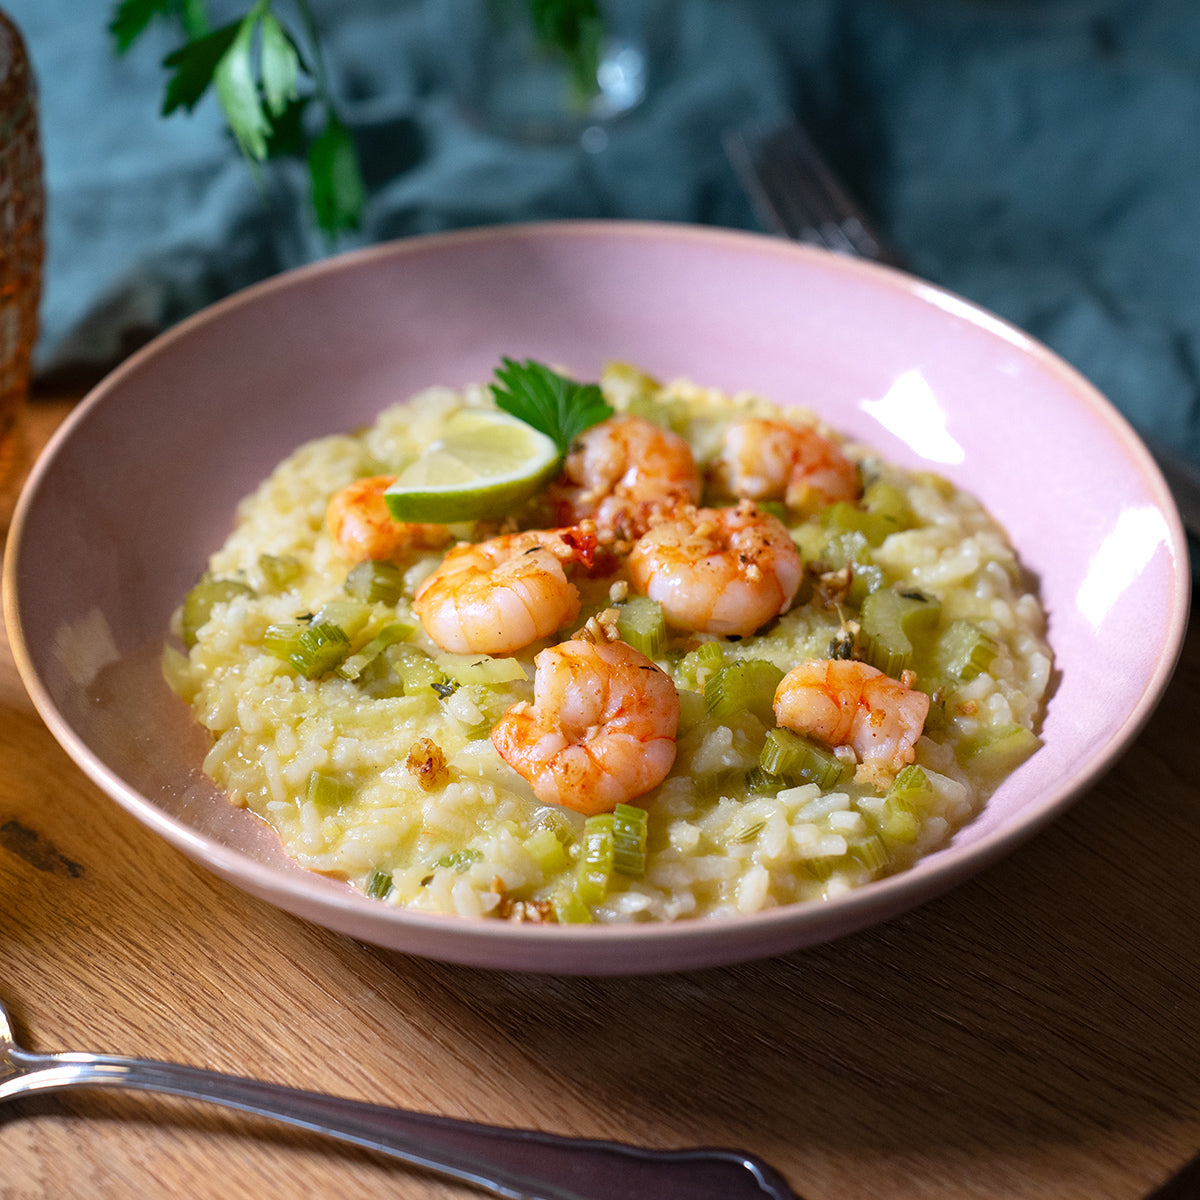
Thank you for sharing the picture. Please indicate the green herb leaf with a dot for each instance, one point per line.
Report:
(280, 65)
(338, 191)
(559, 407)
(573, 28)
(194, 65)
(238, 92)
(130, 18)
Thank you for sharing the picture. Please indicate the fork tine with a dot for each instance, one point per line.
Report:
(795, 192)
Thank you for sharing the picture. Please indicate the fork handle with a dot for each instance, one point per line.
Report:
(516, 1164)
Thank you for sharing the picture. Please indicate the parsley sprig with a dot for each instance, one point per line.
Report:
(266, 85)
(269, 77)
(559, 407)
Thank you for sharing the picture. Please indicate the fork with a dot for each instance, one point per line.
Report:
(796, 193)
(516, 1164)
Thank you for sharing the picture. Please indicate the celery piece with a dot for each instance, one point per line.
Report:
(745, 686)
(547, 851)
(849, 548)
(911, 790)
(629, 840)
(810, 539)
(203, 598)
(869, 851)
(888, 505)
(374, 581)
(357, 663)
(998, 751)
(797, 759)
(569, 909)
(894, 625)
(698, 664)
(865, 578)
(899, 825)
(458, 860)
(312, 650)
(350, 616)
(964, 651)
(278, 570)
(327, 791)
(411, 669)
(595, 867)
(479, 669)
(379, 885)
(640, 622)
(843, 518)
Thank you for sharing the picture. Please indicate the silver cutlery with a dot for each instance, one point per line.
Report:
(516, 1164)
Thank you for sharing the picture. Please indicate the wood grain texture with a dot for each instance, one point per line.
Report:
(1035, 1033)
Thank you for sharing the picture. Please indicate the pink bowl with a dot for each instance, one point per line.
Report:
(141, 482)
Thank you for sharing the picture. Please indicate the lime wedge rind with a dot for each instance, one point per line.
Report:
(485, 465)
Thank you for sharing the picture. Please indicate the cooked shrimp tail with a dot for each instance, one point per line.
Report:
(503, 594)
(781, 460)
(600, 730)
(358, 519)
(726, 570)
(842, 702)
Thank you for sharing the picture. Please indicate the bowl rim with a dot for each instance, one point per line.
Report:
(928, 878)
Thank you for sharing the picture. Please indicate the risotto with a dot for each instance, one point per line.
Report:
(724, 660)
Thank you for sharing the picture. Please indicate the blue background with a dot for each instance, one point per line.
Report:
(1042, 159)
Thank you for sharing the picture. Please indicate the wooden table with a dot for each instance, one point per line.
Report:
(1033, 1035)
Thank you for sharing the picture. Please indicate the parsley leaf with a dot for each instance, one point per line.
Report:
(193, 65)
(559, 407)
(338, 191)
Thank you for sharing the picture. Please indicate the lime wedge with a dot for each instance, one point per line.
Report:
(484, 465)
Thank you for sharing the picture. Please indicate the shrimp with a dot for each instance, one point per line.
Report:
(601, 728)
(624, 470)
(498, 596)
(718, 570)
(362, 527)
(846, 703)
(780, 460)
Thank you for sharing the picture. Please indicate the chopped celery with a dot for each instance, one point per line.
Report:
(889, 506)
(458, 860)
(798, 759)
(379, 885)
(200, 601)
(998, 751)
(698, 664)
(895, 625)
(569, 909)
(327, 791)
(865, 578)
(911, 790)
(547, 851)
(640, 622)
(964, 651)
(847, 549)
(746, 686)
(810, 539)
(869, 851)
(389, 635)
(629, 840)
(313, 650)
(843, 519)
(350, 616)
(595, 865)
(898, 825)
(375, 582)
(412, 667)
(278, 570)
(666, 414)
(479, 669)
